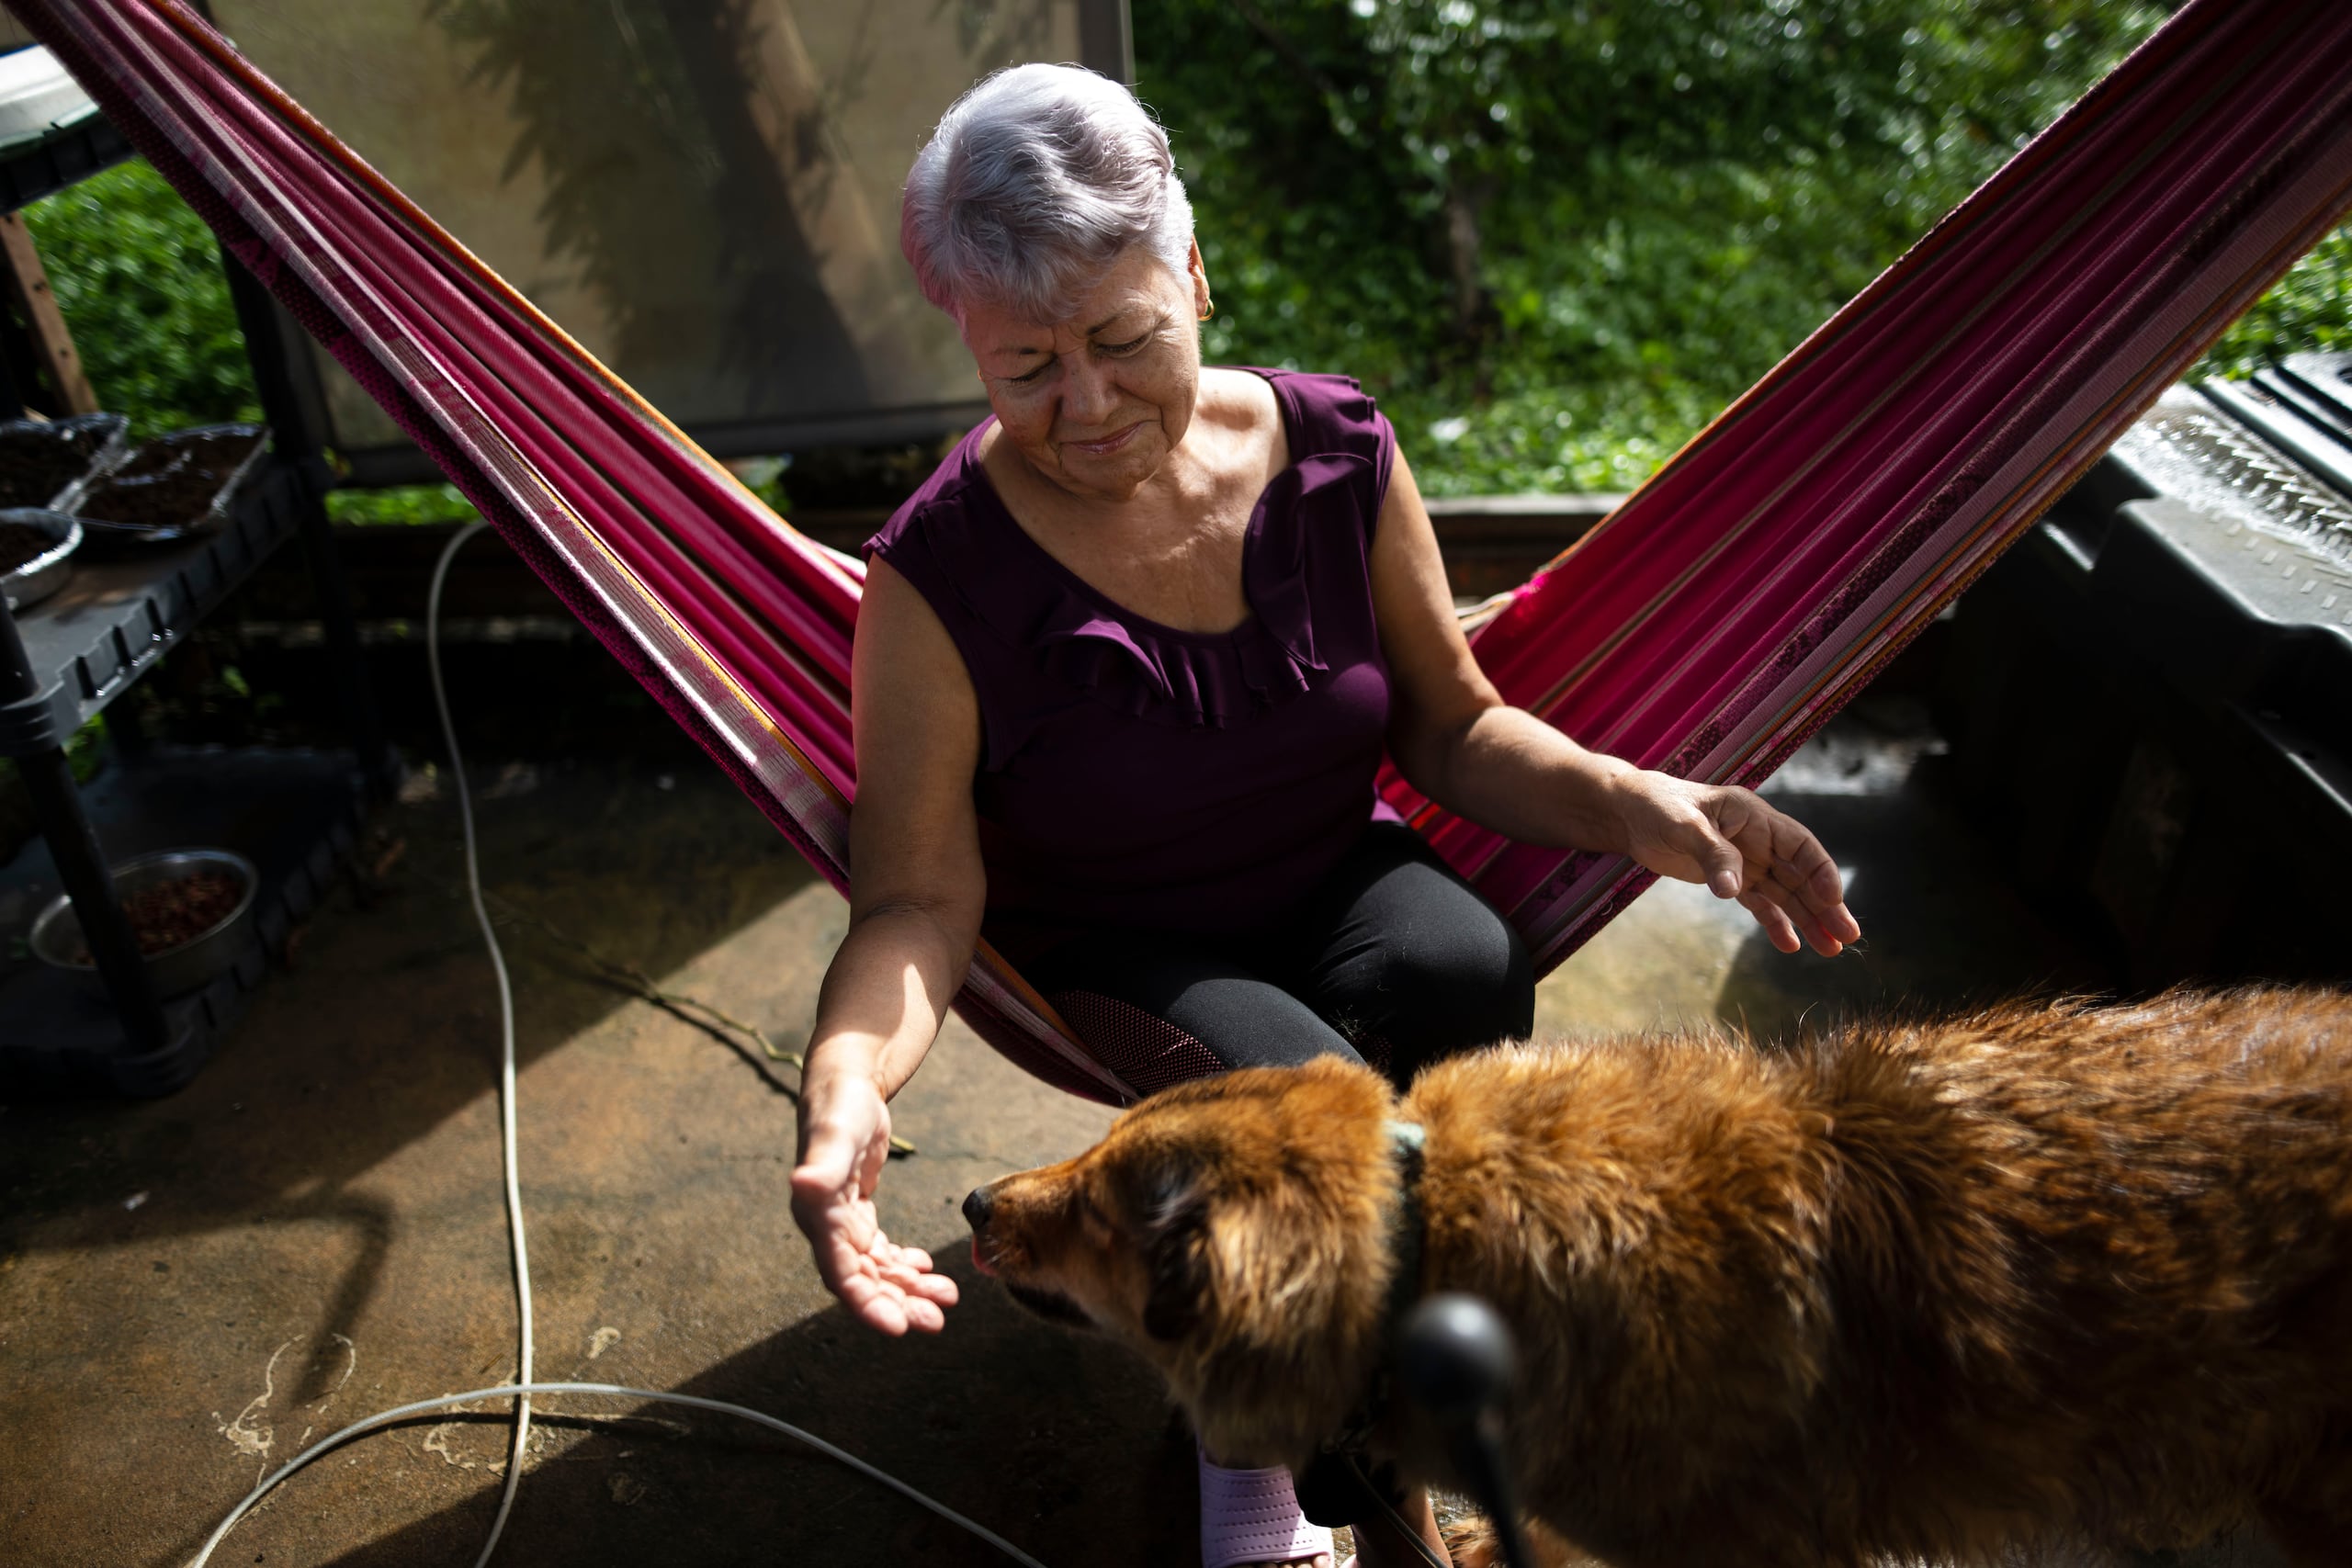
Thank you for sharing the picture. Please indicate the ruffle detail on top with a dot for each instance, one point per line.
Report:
(1011, 584)
(1288, 527)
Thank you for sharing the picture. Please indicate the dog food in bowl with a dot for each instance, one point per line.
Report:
(165, 915)
(191, 912)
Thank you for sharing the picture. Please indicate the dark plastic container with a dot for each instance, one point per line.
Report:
(2150, 698)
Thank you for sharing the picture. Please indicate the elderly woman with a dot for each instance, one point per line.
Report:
(1127, 665)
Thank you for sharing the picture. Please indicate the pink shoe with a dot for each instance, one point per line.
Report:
(1251, 1516)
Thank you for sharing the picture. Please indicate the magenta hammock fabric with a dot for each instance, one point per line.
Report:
(1717, 619)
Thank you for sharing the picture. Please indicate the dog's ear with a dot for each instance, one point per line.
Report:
(1174, 1242)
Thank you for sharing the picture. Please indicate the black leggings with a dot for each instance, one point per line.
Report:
(1394, 960)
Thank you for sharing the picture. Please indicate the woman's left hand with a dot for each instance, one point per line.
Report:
(1742, 848)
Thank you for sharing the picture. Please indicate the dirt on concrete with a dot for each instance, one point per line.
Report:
(190, 1288)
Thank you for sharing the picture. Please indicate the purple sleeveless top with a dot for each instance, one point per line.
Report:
(1135, 775)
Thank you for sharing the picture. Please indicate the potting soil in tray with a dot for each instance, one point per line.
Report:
(169, 482)
(163, 915)
(19, 544)
(37, 461)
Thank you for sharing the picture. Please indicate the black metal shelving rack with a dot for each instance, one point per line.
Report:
(295, 814)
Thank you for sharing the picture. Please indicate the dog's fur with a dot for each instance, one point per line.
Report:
(1913, 1293)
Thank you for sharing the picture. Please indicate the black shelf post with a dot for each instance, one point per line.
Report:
(81, 864)
(291, 402)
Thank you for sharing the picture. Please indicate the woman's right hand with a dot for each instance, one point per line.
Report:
(916, 890)
(844, 1142)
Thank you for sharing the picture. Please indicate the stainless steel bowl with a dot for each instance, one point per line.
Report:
(39, 578)
(57, 934)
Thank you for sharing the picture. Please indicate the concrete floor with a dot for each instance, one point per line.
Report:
(190, 1288)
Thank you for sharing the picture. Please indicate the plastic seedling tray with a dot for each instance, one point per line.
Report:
(173, 487)
(43, 461)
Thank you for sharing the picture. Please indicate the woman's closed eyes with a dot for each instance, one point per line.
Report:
(1112, 350)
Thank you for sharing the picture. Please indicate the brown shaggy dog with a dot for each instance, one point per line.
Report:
(2046, 1275)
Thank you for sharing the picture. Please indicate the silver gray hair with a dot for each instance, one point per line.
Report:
(1033, 183)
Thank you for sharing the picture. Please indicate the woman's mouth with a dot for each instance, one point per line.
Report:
(1105, 447)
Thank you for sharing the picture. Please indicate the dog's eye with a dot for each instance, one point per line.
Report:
(1094, 1225)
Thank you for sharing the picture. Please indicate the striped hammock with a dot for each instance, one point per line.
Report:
(1707, 627)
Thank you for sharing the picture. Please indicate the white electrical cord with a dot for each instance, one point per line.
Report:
(505, 1391)
(521, 1390)
(505, 1041)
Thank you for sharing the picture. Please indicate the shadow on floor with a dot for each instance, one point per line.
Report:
(1060, 1442)
(1940, 934)
(397, 1021)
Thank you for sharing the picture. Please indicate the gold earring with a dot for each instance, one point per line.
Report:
(1209, 314)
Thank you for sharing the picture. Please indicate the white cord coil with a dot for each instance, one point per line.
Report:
(510, 1390)
(521, 1390)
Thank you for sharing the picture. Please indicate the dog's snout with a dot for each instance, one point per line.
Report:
(977, 1205)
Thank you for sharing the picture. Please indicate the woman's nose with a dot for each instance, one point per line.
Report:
(1088, 396)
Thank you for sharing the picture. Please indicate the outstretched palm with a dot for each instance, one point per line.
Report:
(890, 1287)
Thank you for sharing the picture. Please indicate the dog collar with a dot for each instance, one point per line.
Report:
(1407, 1144)
(1334, 1488)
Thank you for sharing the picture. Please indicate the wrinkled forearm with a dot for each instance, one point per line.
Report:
(884, 996)
(1509, 770)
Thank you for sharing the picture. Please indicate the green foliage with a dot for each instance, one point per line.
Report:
(138, 279)
(1556, 236)
(401, 503)
(2311, 309)
(764, 478)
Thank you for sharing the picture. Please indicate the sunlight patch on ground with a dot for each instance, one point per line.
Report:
(1661, 965)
